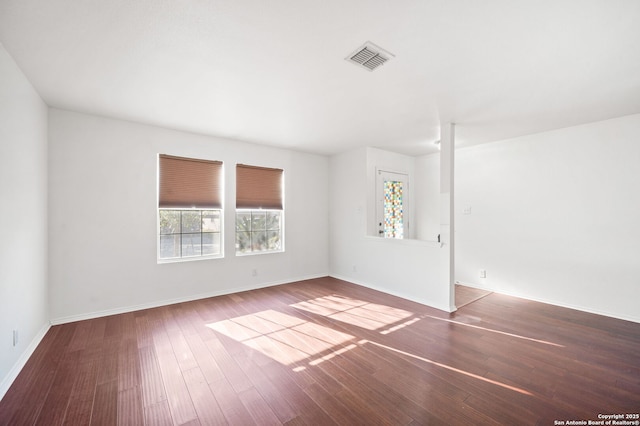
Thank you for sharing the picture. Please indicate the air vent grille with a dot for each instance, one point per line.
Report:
(369, 56)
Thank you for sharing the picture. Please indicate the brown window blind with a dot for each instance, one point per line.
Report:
(258, 187)
(189, 182)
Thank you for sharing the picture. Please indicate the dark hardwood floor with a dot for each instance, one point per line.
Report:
(466, 295)
(323, 352)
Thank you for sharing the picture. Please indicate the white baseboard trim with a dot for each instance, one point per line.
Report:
(8, 380)
(555, 303)
(393, 293)
(190, 298)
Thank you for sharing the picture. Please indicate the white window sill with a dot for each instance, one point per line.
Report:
(189, 259)
(257, 253)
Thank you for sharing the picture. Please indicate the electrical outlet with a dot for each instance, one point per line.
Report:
(254, 272)
(467, 210)
(483, 273)
(355, 269)
(15, 338)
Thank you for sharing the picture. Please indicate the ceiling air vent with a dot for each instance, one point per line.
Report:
(369, 56)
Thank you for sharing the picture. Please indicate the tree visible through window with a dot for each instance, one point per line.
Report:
(188, 233)
(258, 230)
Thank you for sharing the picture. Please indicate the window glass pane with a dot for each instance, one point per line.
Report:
(169, 246)
(210, 243)
(211, 221)
(258, 231)
(259, 241)
(243, 221)
(169, 221)
(273, 240)
(191, 221)
(273, 220)
(258, 220)
(393, 212)
(191, 244)
(190, 233)
(243, 242)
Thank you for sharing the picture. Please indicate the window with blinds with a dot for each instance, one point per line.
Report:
(259, 209)
(189, 208)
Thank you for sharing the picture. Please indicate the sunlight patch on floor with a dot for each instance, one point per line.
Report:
(400, 326)
(447, 367)
(284, 338)
(290, 340)
(495, 331)
(333, 354)
(370, 316)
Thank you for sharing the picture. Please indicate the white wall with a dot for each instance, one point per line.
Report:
(407, 268)
(555, 217)
(23, 219)
(427, 197)
(103, 211)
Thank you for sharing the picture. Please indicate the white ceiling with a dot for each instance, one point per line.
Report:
(273, 71)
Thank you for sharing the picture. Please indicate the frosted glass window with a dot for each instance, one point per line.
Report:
(393, 209)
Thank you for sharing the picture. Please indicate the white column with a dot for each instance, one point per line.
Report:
(447, 229)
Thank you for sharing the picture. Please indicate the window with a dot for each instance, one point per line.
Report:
(189, 208)
(392, 193)
(259, 210)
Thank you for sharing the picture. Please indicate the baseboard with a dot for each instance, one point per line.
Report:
(7, 381)
(393, 293)
(555, 303)
(190, 298)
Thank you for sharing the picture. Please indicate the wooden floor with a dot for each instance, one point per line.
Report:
(325, 352)
(466, 295)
